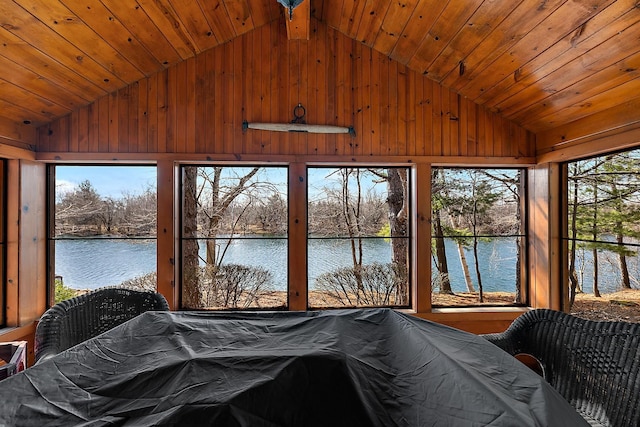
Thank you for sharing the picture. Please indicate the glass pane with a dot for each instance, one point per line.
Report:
(105, 228)
(603, 206)
(477, 238)
(234, 237)
(358, 244)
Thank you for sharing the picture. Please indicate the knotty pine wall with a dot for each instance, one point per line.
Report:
(199, 105)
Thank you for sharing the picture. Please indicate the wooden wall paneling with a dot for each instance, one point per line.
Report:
(454, 123)
(93, 127)
(480, 126)
(83, 130)
(121, 139)
(463, 127)
(103, 130)
(303, 97)
(182, 107)
(367, 99)
(279, 94)
(142, 116)
(472, 127)
(344, 96)
(277, 52)
(496, 138)
(205, 101)
(73, 131)
(315, 61)
(291, 140)
(263, 64)
(397, 118)
(191, 106)
(12, 290)
(357, 99)
(230, 101)
(112, 118)
(251, 86)
(58, 134)
(436, 119)
(163, 138)
(153, 110)
(171, 124)
(32, 242)
(428, 117)
(202, 94)
(218, 102)
(409, 112)
(445, 117)
(379, 102)
(418, 108)
(235, 126)
(332, 71)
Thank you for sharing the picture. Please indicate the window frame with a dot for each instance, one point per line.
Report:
(525, 286)
(51, 220)
(409, 237)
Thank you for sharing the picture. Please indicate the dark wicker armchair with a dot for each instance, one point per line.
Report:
(77, 319)
(594, 365)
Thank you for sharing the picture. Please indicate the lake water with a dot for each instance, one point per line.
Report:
(90, 264)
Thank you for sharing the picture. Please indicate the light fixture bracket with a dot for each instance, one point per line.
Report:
(290, 5)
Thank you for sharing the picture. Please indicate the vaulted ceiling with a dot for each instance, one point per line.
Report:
(539, 63)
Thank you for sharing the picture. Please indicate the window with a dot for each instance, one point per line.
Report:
(234, 237)
(358, 237)
(602, 232)
(478, 240)
(104, 228)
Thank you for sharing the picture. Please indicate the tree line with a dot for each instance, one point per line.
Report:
(603, 198)
(83, 212)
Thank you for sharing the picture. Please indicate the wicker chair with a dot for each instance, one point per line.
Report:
(594, 365)
(77, 319)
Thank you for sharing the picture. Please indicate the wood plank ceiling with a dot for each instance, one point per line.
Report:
(539, 63)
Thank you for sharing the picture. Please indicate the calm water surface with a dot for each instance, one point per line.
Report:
(90, 264)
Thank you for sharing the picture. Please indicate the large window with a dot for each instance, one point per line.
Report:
(602, 231)
(104, 228)
(358, 237)
(478, 238)
(234, 237)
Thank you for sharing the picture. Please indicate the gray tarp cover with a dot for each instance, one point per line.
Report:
(375, 367)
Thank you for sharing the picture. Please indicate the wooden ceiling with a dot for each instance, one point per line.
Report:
(539, 63)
